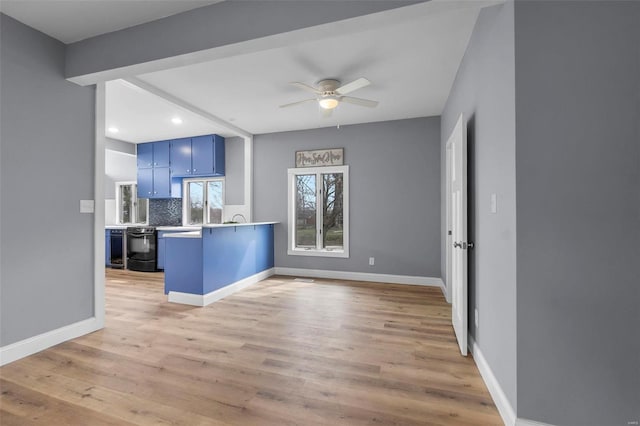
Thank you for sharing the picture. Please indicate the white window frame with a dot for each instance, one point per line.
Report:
(319, 250)
(205, 213)
(134, 213)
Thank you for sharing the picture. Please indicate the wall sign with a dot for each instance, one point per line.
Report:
(320, 157)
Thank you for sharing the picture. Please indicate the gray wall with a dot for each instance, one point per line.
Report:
(484, 91)
(234, 171)
(578, 185)
(394, 193)
(47, 156)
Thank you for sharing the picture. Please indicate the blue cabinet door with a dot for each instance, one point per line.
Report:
(161, 154)
(202, 155)
(107, 247)
(145, 155)
(181, 157)
(160, 250)
(145, 183)
(218, 155)
(161, 182)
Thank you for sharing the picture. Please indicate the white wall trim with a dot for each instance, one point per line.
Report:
(499, 397)
(32, 345)
(99, 207)
(209, 298)
(525, 422)
(362, 276)
(248, 176)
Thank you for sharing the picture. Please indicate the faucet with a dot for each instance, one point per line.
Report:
(244, 219)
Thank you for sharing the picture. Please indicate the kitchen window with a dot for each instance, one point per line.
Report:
(318, 211)
(203, 201)
(129, 208)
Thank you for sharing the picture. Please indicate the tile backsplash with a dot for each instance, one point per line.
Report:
(165, 212)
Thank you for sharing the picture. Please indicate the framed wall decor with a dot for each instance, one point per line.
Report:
(320, 157)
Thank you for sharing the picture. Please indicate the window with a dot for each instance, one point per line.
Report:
(129, 208)
(203, 201)
(319, 211)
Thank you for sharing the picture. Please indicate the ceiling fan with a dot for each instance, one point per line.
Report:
(329, 93)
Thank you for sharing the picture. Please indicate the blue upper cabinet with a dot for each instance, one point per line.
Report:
(153, 154)
(154, 180)
(161, 152)
(202, 155)
(218, 155)
(145, 155)
(181, 157)
(197, 156)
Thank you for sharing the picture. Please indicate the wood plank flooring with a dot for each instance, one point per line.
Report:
(282, 352)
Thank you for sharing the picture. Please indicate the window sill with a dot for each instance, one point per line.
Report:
(318, 253)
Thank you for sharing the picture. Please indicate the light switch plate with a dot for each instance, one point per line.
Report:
(86, 206)
(494, 203)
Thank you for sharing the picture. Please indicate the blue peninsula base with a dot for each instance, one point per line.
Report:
(201, 268)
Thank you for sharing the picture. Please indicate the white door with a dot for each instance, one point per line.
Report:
(457, 153)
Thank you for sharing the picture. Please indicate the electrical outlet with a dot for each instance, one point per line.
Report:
(372, 261)
(477, 317)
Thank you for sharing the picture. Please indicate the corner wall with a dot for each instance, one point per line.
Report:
(578, 183)
(394, 191)
(47, 167)
(484, 91)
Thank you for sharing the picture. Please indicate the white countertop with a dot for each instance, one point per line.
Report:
(115, 226)
(178, 228)
(227, 225)
(189, 234)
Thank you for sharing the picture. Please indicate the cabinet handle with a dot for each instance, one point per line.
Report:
(149, 192)
(187, 170)
(194, 170)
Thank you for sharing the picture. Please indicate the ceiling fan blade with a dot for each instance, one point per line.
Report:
(359, 101)
(297, 103)
(306, 87)
(354, 85)
(326, 113)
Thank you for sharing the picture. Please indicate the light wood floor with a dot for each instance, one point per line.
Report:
(282, 352)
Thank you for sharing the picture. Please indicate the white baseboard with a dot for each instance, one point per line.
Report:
(32, 345)
(362, 276)
(209, 298)
(525, 422)
(499, 398)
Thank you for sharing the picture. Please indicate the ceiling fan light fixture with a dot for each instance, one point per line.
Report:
(328, 102)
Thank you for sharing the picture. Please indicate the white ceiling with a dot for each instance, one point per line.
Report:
(73, 20)
(411, 66)
(411, 62)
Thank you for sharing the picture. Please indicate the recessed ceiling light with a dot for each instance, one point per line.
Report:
(113, 130)
(176, 120)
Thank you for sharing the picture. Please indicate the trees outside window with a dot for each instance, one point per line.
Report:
(318, 211)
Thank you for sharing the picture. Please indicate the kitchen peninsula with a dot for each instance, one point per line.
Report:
(204, 266)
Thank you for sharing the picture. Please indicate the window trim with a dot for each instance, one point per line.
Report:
(205, 213)
(134, 213)
(291, 214)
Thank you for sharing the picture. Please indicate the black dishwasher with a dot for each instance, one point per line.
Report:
(116, 254)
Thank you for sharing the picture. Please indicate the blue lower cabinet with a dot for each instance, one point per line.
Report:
(107, 247)
(183, 265)
(235, 252)
(222, 256)
(160, 256)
